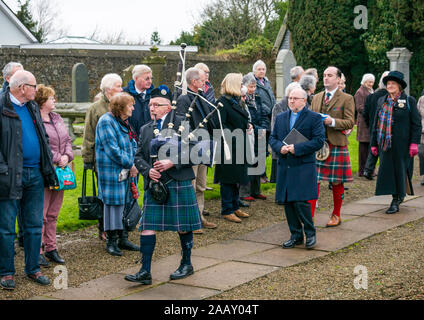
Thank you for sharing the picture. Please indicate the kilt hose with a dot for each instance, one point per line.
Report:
(336, 168)
(179, 213)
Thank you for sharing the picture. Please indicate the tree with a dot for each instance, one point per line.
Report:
(155, 38)
(185, 37)
(25, 16)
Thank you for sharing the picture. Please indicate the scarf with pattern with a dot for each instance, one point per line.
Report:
(384, 124)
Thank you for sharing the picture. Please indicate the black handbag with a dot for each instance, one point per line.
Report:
(132, 212)
(90, 208)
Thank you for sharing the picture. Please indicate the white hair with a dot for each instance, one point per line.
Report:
(201, 66)
(367, 77)
(295, 72)
(257, 64)
(19, 78)
(8, 68)
(381, 84)
(305, 95)
(140, 69)
(307, 82)
(192, 74)
(291, 86)
(109, 81)
(248, 79)
(243, 90)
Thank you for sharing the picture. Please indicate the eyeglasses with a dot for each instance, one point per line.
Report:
(295, 98)
(156, 105)
(30, 85)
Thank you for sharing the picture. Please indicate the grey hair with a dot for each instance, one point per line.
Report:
(307, 82)
(201, 66)
(381, 84)
(140, 69)
(19, 78)
(257, 64)
(243, 90)
(109, 80)
(367, 77)
(248, 79)
(192, 74)
(312, 72)
(295, 72)
(7, 70)
(291, 86)
(305, 95)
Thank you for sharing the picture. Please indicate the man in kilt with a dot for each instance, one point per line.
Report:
(180, 212)
(339, 109)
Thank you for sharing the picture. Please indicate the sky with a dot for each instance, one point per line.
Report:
(137, 18)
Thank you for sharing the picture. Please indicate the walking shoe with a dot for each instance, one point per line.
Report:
(142, 277)
(42, 261)
(368, 175)
(232, 217)
(260, 196)
(208, 225)
(310, 242)
(54, 256)
(7, 283)
(334, 221)
(241, 214)
(291, 243)
(183, 271)
(39, 278)
(250, 198)
(198, 231)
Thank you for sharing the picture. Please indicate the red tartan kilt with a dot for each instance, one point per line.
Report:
(336, 168)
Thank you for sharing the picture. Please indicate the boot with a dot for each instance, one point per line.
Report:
(111, 244)
(394, 206)
(124, 243)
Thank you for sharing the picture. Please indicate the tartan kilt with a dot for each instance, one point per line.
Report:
(336, 168)
(179, 213)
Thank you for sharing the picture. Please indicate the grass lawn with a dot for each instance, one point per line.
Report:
(68, 217)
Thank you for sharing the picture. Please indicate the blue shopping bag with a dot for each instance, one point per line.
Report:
(66, 178)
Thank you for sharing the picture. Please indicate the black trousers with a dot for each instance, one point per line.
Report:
(371, 162)
(364, 150)
(298, 213)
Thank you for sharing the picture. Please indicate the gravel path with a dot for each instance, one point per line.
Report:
(394, 259)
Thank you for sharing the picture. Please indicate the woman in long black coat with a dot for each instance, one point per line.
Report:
(231, 173)
(397, 131)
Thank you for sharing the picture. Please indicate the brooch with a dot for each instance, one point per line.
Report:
(401, 103)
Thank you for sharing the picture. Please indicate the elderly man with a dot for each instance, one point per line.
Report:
(208, 89)
(195, 82)
(180, 212)
(339, 110)
(25, 169)
(140, 87)
(296, 73)
(297, 174)
(8, 71)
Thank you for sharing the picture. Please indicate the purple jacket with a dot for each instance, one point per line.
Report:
(59, 140)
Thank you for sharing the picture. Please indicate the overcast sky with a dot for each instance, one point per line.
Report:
(137, 18)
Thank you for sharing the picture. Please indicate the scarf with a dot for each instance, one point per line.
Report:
(126, 124)
(384, 124)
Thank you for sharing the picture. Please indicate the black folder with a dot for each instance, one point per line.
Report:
(294, 137)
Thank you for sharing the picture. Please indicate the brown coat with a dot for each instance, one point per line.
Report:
(342, 109)
(362, 132)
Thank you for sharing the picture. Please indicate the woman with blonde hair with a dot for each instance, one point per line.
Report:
(231, 173)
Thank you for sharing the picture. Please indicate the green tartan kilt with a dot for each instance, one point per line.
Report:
(179, 213)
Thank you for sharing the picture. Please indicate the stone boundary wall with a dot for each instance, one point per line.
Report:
(54, 66)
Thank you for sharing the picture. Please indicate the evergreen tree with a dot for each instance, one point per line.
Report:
(155, 38)
(25, 16)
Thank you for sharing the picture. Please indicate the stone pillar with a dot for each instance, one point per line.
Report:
(399, 61)
(285, 61)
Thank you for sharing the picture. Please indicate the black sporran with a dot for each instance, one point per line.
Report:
(159, 191)
(90, 208)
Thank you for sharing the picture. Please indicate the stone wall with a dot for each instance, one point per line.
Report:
(54, 67)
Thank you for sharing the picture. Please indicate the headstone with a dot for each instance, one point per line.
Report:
(80, 92)
(399, 61)
(127, 75)
(285, 61)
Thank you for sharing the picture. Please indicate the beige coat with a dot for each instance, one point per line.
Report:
(420, 107)
(342, 109)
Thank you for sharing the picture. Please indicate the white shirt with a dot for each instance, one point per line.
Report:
(15, 101)
(332, 93)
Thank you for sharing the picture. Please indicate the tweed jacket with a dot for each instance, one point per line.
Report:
(342, 109)
(114, 152)
(362, 132)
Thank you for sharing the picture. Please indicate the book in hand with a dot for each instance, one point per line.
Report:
(294, 137)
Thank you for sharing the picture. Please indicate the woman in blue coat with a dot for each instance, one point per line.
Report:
(116, 145)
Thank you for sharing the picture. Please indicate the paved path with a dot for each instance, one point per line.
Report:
(225, 265)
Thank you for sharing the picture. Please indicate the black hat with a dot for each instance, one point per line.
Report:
(161, 92)
(395, 76)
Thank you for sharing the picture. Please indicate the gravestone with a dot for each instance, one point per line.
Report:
(399, 61)
(80, 92)
(285, 61)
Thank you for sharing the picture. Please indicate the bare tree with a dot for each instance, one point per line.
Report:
(47, 13)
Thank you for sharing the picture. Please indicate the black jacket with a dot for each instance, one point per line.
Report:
(370, 108)
(11, 153)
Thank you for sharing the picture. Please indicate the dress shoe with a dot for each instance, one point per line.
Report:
(310, 242)
(142, 277)
(368, 175)
(183, 271)
(208, 225)
(260, 196)
(39, 278)
(206, 212)
(291, 243)
(21, 242)
(42, 261)
(394, 206)
(54, 256)
(241, 214)
(7, 283)
(243, 204)
(198, 231)
(232, 217)
(250, 198)
(334, 221)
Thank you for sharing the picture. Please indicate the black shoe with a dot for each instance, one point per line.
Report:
(310, 242)
(142, 277)
(42, 261)
(242, 204)
(111, 244)
(21, 242)
(368, 175)
(124, 243)
(422, 182)
(183, 271)
(39, 278)
(7, 283)
(54, 256)
(394, 206)
(291, 243)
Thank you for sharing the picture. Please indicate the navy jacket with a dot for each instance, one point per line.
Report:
(297, 174)
(141, 113)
